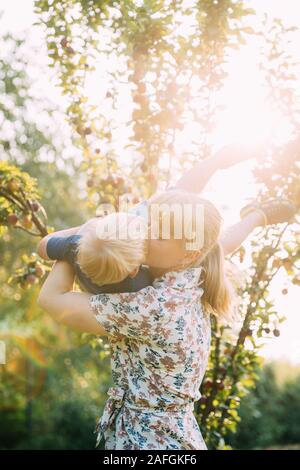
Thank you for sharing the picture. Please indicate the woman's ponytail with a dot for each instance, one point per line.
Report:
(218, 296)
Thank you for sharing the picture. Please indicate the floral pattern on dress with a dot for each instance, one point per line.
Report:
(159, 339)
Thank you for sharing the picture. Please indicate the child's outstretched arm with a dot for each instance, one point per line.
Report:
(233, 237)
(274, 211)
(195, 179)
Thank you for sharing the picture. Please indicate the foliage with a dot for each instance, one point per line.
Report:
(39, 352)
(70, 396)
(269, 413)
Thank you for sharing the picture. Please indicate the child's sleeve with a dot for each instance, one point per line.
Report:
(134, 315)
(63, 248)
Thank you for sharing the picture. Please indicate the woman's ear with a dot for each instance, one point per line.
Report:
(134, 272)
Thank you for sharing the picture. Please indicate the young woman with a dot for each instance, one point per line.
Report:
(159, 336)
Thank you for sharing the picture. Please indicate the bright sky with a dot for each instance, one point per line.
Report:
(229, 190)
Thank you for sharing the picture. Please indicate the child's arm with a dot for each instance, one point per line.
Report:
(232, 238)
(61, 234)
(195, 179)
(67, 307)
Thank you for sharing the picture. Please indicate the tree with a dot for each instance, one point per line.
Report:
(171, 78)
(34, 179)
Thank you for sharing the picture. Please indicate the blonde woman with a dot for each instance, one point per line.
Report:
(159, 336)
(87, 254)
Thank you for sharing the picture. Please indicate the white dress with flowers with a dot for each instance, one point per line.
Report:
(160, 339)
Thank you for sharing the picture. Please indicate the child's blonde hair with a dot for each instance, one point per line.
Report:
(218, 297)
(108, 253)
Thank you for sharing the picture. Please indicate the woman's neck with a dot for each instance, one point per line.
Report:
(158, 272)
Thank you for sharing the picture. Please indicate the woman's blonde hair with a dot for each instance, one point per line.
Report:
(218, 293)
(109, 252)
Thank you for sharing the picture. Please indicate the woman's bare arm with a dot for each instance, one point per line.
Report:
(65, 306)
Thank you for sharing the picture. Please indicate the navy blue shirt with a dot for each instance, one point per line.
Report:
(65, 249)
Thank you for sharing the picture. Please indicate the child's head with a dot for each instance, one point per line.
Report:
(111, 251)
(198, 246)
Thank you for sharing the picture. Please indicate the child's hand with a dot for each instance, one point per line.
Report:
(235, 153)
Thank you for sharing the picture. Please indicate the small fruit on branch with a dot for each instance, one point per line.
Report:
(12, 219)
(144, 167)
(70, 50)
(90, 183)
(35, 206)
(208, 383)
(32, 279)
(27, 222)
(39, 270)
(87, 131)
(64, 42)
(13, 186)
(120, 181)
(141, 87)
(220, 385)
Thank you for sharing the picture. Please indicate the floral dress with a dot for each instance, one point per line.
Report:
(159, 338)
